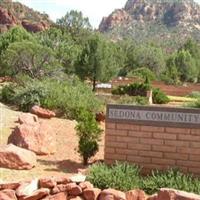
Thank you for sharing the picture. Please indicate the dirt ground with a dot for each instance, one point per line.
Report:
(65, 161)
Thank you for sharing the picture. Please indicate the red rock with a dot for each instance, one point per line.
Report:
(74, 189)
(91, 193)
(136, 195)
(41, 112)
(47, 182)
(59, 196)
(11, 185)
(86, 185)
(34, 27)
(152, 197)
(28, 118)
(59, 188)
(39, 138)
(75, 198)
(112, 194)
(171, 194)
(62, 180)
(23, 159)
(36, 195)
(7, 195)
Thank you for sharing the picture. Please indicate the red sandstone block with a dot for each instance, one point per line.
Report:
(116, 132)
(127, 139)
(110, 138)
(188, 150)
(194, 158)
(164, 136)
(117, 144)
(150, 141)
(188, 163)
(127, 151)
(128, 127)
(152, 129)
(163, 148)
(140, 134)
(194, 170)
(178, 130)
(115, 156)
(195, 144)
(109, 150)
(177, 143)
(139, 146)
(151, 154)
(177, 156)
(195, 131)
(188, 137)
(162, 161)
(138, 159)
(110, 125)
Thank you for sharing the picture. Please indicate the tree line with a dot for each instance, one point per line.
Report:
(71, 46)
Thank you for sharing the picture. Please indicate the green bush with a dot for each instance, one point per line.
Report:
(135, 89)
(67, 95)
(159, 97)
(194, 94)
(121, 176)
(7, 94)
(133, 100)
(89, 134)
(172, 178)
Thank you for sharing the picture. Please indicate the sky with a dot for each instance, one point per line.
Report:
(95, 10)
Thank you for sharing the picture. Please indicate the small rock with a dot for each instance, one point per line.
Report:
(28, 118)
(11, 185)
(47, 182)
(23, 158)
(7, 195)
(62, 180)
(136, 195)
(59, 188)
(73, 189)
(91, 194)
(86, 185)
(112, 194)
(59, 196)
(41, 112)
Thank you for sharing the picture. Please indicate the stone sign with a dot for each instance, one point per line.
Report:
(154, 115)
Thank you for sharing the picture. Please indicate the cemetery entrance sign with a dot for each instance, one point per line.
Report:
(153, 137)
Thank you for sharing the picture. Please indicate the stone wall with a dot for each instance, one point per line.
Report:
(154, 144)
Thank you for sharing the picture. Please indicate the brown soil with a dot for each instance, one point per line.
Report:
(66, 160)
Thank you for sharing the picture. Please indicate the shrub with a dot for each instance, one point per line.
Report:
(135, 89)
(194, 94)
(159, 97)
(121, 176)
(172, 178)
(136, 100)
(89, 135)
(7, 94)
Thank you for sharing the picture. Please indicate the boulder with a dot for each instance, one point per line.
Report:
(112, 194)
(73, 189)
(14, 157)
(59, 196)
(86, 185)
(47, 182)
(28, 118)
(62, 180)
(43, 113)
(171, 194)
(36, 195)
(10, 185)
(39, 138)
(136, 195)
(91, 193)
(7, 195)
(59, 188)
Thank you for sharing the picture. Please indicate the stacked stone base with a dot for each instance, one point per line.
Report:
(62, 188)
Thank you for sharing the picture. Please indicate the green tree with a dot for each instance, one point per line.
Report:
(29, 58)
(74, 22)
(98, 61)
(186, 66)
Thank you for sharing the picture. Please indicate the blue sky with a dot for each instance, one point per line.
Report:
(94, 9)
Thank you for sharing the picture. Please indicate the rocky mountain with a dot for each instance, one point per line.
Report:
(15, 13)
(168, 20)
